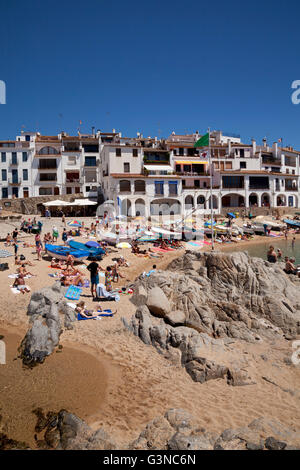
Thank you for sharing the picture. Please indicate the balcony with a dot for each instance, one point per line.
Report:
(14, 181)
(291, 188)
(259, 186)
(189, 173)
(13, 161)
(76, 181)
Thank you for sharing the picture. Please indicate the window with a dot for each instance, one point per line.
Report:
(69, 190)
(125, 186)
(91, 148)
(243, 165)
(45, 191)
(90, 161)
(4, 175)
(87, 188)
(4, 193)
(3, 157)
(118, 152)
(48, 151)
(228, 166)
(14, 160)
(216, 165)
(27, 138)
(24, 156)
(126, 167)
(159, 188)
(233, 181)
(173, 188)
(134, 152)
(242, 153)
(48, 177)
(181, 151)
(47, 164)
(25, 175)
(139, 186)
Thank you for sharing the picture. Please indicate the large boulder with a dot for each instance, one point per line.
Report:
(45, 309)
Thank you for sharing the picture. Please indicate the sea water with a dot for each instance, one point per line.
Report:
(260, 249)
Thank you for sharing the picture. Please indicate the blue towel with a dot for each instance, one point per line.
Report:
(73, 293)
(107, 314)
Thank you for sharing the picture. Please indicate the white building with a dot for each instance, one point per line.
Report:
(147, 176)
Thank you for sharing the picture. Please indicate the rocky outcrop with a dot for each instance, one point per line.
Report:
(209, 299)
(47, 309)
(176, 430)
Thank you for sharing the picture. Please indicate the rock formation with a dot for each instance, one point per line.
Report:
(209, 300)
(45, 309)
(176, 430)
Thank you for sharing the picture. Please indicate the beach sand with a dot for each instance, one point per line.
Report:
(140, 384)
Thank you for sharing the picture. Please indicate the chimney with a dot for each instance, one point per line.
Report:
(93, 130)
(264, 142)
(114, 131)
(253, 146)
(275, 147)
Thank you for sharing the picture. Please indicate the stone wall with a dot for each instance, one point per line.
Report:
(31, 205)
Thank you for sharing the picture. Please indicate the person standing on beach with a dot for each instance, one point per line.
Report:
(64, 236)
(94, 269)
(293, 242)
(55, 234)
(108, 279)
(15, 235)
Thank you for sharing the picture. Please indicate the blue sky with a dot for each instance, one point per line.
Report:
(151, 66)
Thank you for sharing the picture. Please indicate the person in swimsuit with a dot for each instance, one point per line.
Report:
(271, 255)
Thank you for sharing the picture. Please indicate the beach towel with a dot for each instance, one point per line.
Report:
(73, 293)
(5, 254)
(105, 313)
(16, 291)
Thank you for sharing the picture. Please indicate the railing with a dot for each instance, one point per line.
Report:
(291, 189)
(73, 180)
(190, 173)
(13, 181)
(259, 186)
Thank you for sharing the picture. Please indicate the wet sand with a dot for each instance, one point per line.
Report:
(71, 379)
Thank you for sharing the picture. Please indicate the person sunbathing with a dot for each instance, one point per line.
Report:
(20, 284)
(22, 270)
(57, 264)
(84, 312)
(163, 245)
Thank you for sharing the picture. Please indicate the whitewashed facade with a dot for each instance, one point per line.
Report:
(146, 176)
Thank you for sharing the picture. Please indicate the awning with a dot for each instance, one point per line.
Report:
(194, 162)
(83, 202)
(56, 203)
(158, 167)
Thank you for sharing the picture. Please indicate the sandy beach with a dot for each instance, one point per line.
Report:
(111, 379)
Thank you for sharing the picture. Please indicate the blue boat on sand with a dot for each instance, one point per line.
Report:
(292, 223)
(62, 252)
(93, 250)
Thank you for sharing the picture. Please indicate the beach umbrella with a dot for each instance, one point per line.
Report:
(231, 214)
(74, 223)
(92, 244)
(123, 245)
